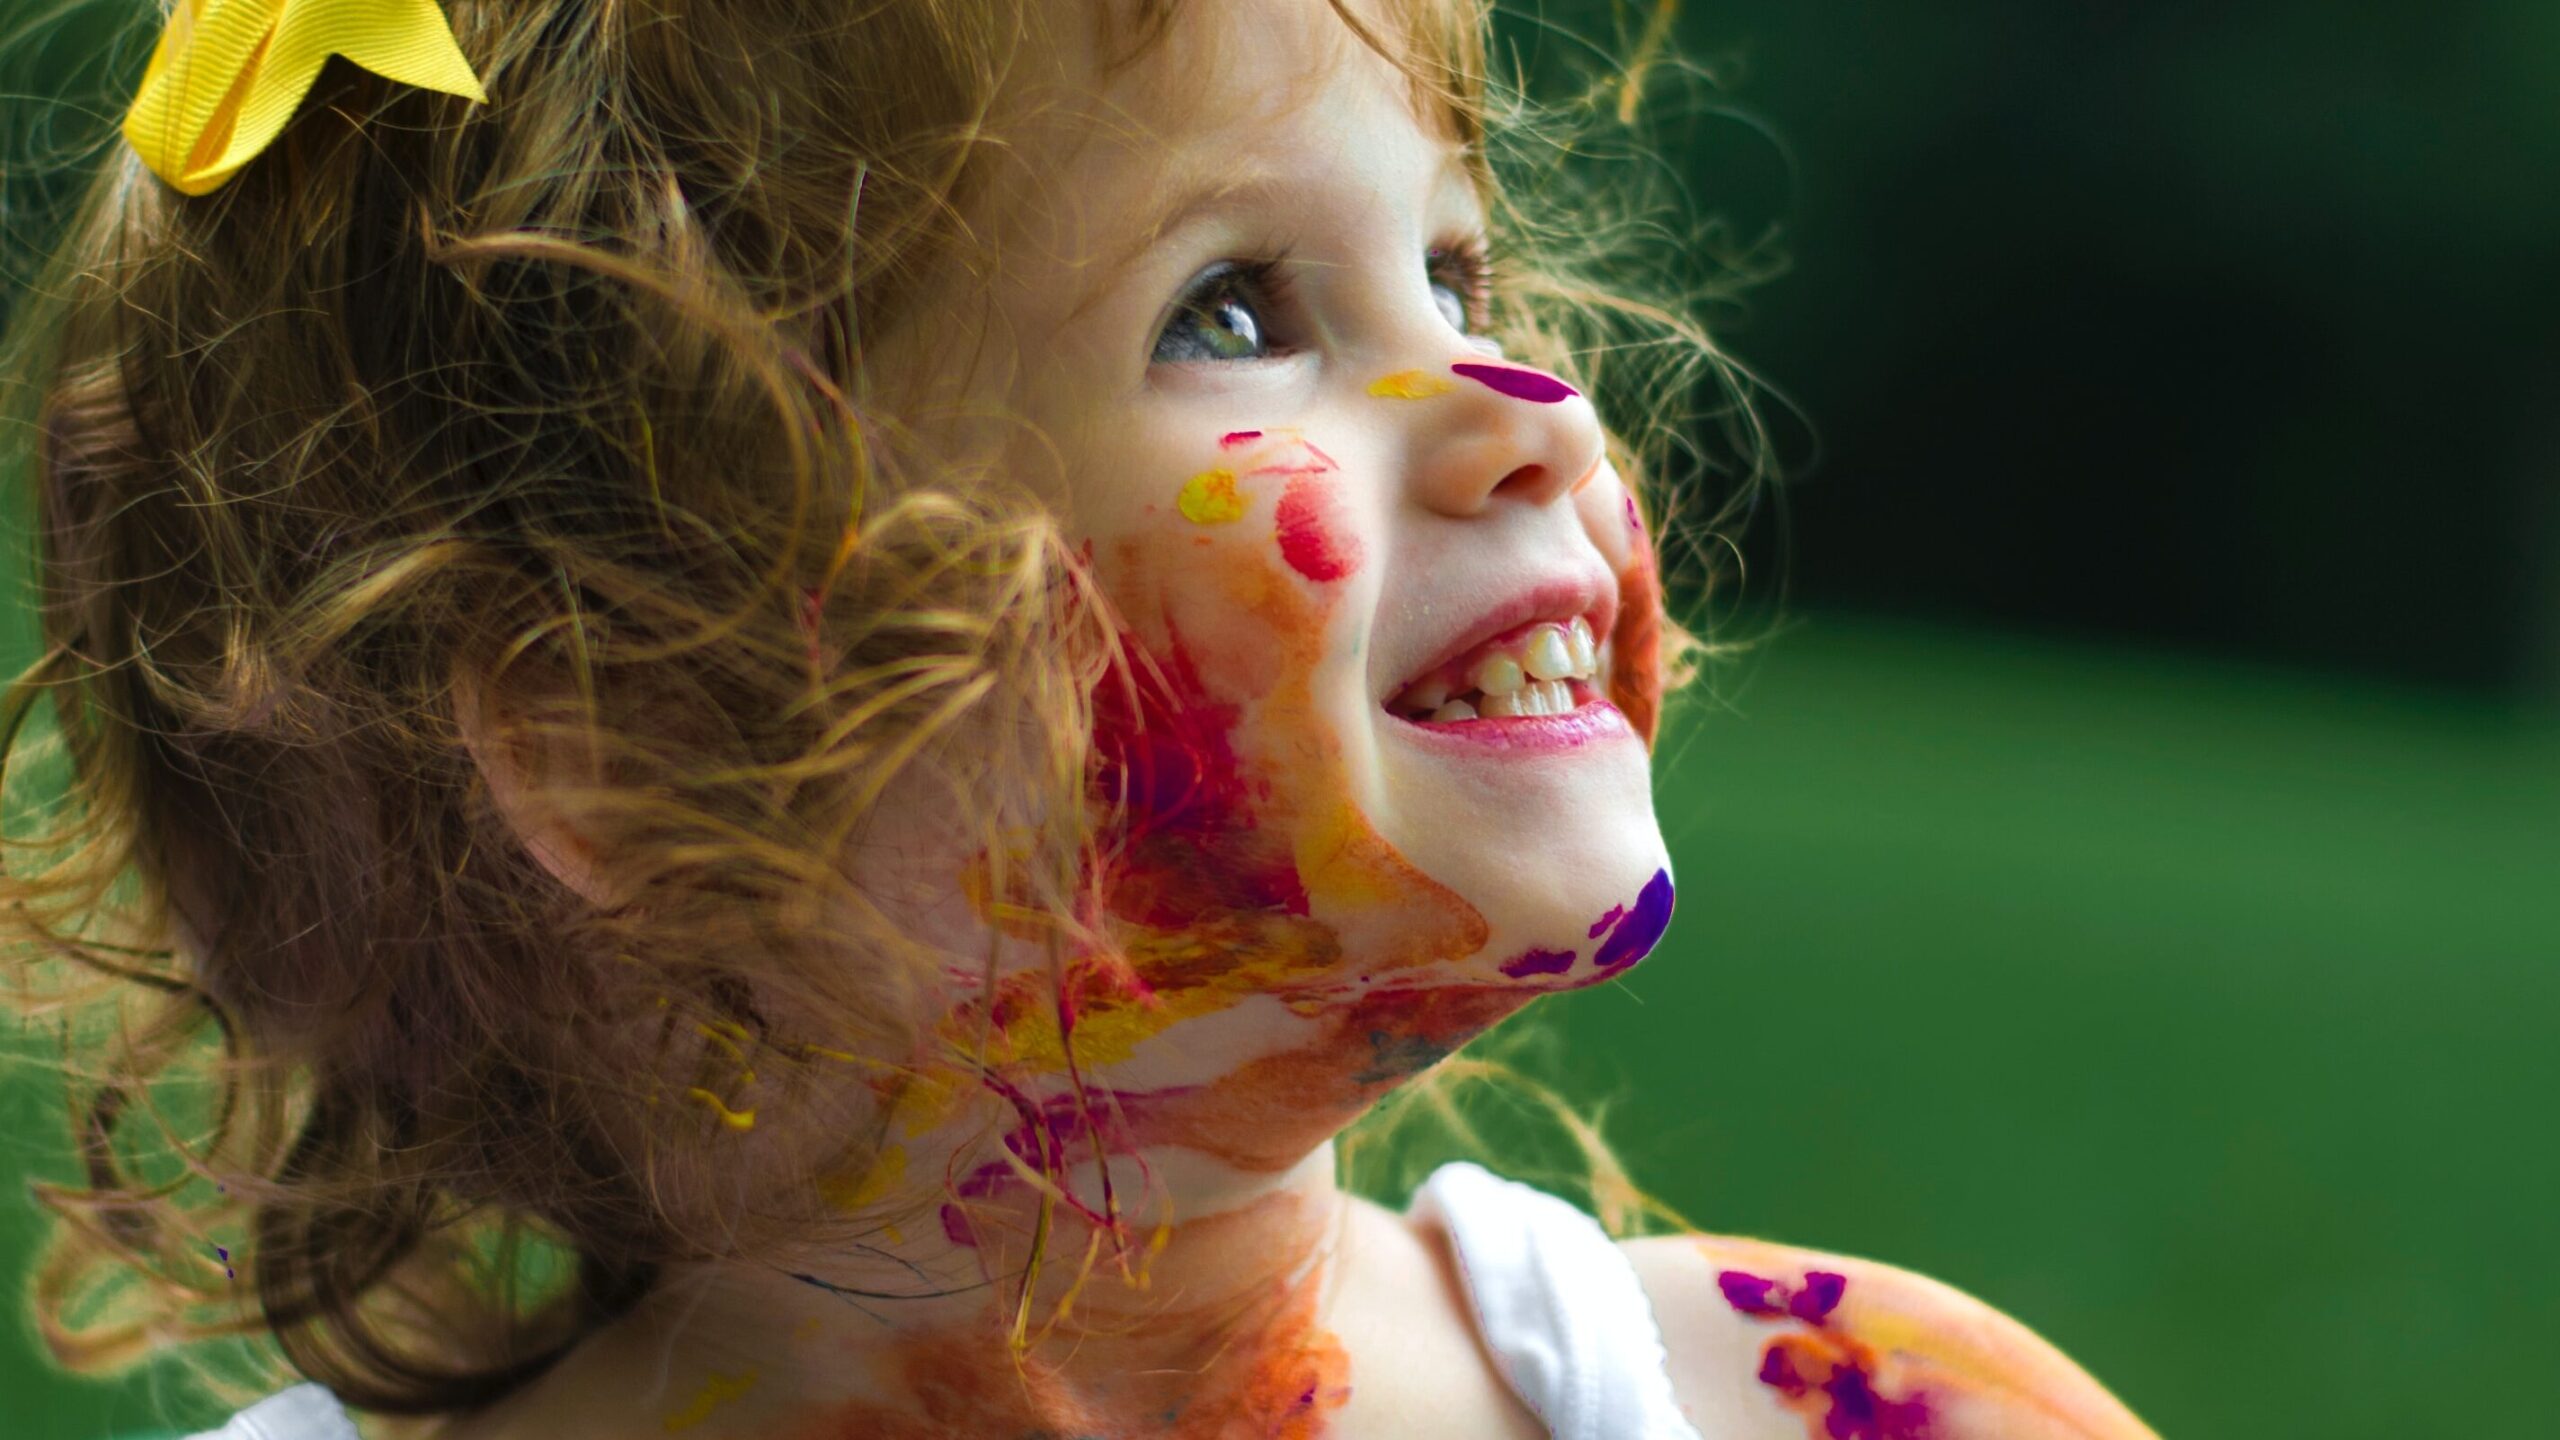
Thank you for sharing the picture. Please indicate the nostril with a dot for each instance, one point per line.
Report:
(1535, 484)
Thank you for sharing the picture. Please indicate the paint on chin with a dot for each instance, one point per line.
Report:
(1535, 386)
(1640, 929)
(1538, 962)
(1320, 552)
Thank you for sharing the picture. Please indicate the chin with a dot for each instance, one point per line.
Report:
(1556, 846)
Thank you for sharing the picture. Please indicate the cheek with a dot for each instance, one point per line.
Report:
(1635, 680)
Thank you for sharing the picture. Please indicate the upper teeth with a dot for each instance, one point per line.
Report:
(1530, 675)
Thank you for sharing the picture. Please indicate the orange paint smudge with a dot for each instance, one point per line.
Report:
(1286, 1381)
(1635, 679)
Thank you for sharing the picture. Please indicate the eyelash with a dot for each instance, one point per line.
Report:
(1473, 278)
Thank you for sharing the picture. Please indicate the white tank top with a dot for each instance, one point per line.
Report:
(1556, 1300)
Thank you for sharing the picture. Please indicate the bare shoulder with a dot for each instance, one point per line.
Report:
(1771, 1340)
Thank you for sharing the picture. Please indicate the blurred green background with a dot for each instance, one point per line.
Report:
(2128, 884)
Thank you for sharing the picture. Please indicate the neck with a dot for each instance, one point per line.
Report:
(1205, 1299)
(1158, 1235)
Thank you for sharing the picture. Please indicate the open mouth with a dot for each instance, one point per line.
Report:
(1544, 668)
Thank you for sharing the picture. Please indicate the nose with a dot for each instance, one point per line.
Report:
(1501, 432)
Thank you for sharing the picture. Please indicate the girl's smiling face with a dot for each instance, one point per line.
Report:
(1327, 512)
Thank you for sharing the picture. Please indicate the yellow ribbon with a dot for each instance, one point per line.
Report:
(228, 74)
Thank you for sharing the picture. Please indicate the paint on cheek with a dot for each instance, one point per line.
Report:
(716, 1391)
(1635, 935)
(1312, 549)
(1307, 458)
(1210, 498)
(1234, 438)
(1538, 962)
(1184, 807)
(1409, 385)
(1635, 679)
(1535, 386)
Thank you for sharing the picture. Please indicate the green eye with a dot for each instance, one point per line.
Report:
(1219, 320)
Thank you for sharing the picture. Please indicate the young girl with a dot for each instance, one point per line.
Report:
(790, 700)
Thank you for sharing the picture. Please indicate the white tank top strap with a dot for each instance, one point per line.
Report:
(1559, 1305)
(305, 1412)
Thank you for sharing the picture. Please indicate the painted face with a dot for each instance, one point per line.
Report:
(1339, 524)
(1379, 766)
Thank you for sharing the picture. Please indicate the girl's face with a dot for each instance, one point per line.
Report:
(1335, 524)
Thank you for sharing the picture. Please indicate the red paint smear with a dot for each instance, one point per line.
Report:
(1233, 438)
(1310, 549)
(1164, 759)
(1636, 685)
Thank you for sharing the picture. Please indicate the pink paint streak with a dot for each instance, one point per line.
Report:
(1234, 438)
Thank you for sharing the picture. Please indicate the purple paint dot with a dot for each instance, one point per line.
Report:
(1538, 962)
(1749, 1293)
(1636, 935)
(1819, 1297)
(1778, 1371)
(1608, 922)
(1532, 385)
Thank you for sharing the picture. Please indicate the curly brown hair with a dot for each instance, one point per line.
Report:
(559, 405)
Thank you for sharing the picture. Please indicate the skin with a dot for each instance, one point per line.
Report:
(1307, 907)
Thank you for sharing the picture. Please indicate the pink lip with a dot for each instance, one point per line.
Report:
(1558, 600)
(1593, 720)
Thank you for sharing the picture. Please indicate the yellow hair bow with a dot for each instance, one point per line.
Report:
(228, 74)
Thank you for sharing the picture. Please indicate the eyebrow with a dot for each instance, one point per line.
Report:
(1230, 189)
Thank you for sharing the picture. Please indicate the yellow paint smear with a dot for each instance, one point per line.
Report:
(734, 1119)
(1410, 385)
(1210, 498)
(716, 1391)
(851, 1190)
